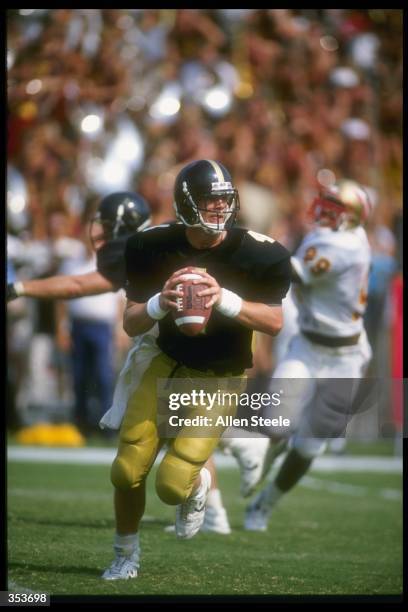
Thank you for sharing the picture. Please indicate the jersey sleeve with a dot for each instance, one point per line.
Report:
(277, 278)
(110, 262)
(140, 278)
(316, 261)
(269, 269)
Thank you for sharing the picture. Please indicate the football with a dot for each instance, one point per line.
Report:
(191, 315)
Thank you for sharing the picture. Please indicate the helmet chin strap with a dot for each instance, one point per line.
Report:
(214, 228)
(208, 228)
(211, 228)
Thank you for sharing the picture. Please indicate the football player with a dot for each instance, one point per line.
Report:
(119, 215)
(247, 275)
(330, 270)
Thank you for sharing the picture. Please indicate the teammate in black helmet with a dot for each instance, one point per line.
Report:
(119, 215)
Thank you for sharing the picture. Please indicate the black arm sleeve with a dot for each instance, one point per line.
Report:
(110, 262)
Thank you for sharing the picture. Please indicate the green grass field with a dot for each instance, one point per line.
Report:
(60, 529)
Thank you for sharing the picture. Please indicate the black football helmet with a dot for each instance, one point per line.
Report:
(119, 214)
(205, 180)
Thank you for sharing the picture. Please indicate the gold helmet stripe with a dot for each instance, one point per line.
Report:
(217, 169)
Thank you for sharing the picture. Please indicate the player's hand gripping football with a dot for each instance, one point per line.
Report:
(213, 290)
(170, 293)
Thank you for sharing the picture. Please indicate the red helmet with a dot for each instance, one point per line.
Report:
(341, 206)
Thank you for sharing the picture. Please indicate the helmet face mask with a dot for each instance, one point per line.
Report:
(119, 214)
(342, 206)
(327, 212)
(100, 232)
(204, 197)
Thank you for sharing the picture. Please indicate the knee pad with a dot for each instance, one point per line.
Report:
(181, 466)
(194, 450)
(132, 464)
(175, 478)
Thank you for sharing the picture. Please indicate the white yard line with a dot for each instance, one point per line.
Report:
(83, 456)
(65, 496)
(105, 456)
(343, 488)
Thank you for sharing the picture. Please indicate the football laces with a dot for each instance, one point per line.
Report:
(179, 299)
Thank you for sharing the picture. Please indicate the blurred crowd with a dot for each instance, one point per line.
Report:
(101, 100)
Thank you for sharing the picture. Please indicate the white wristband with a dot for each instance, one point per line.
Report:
(230, 304)
(154, 310)
(19, 288)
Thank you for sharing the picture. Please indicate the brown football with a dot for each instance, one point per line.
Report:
(191, 315)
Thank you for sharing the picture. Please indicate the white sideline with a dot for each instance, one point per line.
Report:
(105, 456)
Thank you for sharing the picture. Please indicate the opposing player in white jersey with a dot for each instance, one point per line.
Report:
(330, 269)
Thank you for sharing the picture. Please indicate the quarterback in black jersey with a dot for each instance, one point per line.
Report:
(247, 275)
(251, 265)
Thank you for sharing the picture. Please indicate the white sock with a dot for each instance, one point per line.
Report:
(214, 499)
(126, 545)
(272, 493)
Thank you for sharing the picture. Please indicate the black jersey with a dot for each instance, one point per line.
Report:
(110, 261)
(256, 268)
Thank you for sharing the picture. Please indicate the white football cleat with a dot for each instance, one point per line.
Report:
(190, 514)
(216, 521)
(258, 512)
(250, 454)
(122, 568)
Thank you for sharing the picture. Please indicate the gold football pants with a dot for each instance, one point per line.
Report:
(139, 441)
